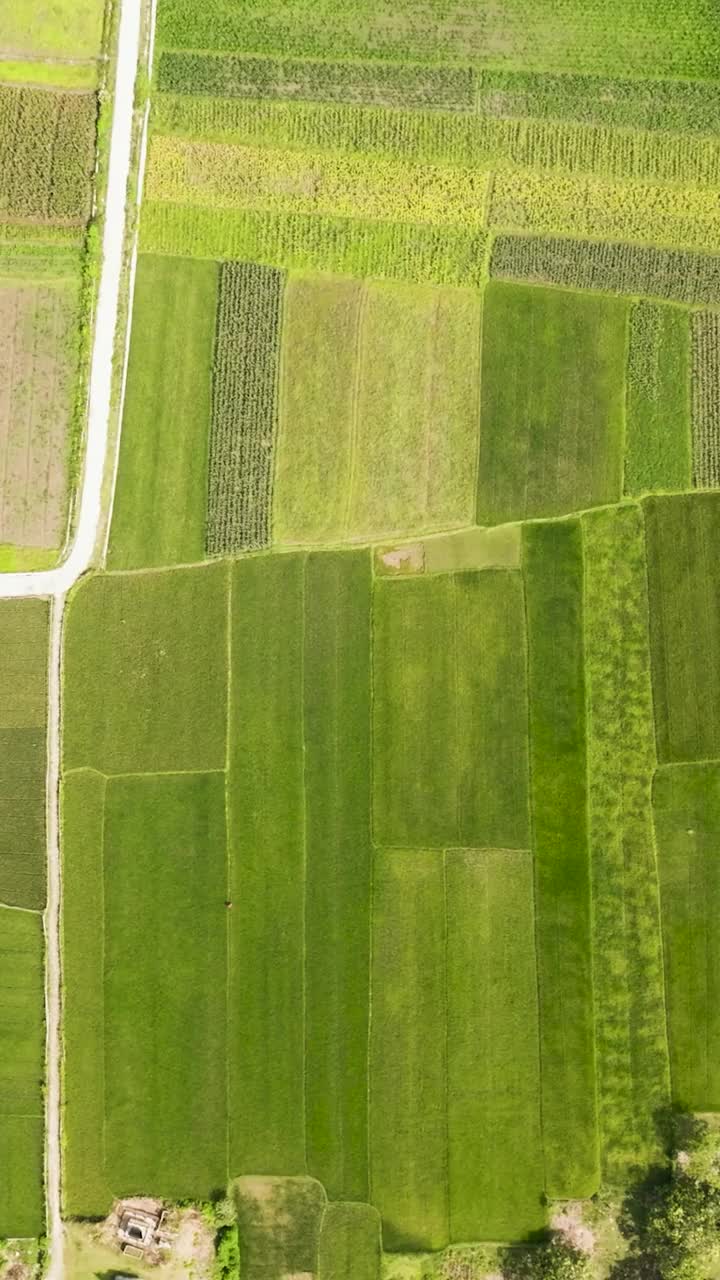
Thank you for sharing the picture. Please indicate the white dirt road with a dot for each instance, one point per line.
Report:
(55, 583)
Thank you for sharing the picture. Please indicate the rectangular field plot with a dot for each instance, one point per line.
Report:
(552, 403)
(24, 655)
(22, 1067)
(631, 1034)
(378, 410)
(165, 886)
(279, 1225)
(70, 27)
(266, 868)
(244, 408)
(553, 566)
(85, 1189)
(408, 1066)
(47, 154)
(161, 493)
(145, 672)
(657, 448)
(682, 536)
(337, 716)
(495, 1144)
(706, 399)
(448, 670)
(686, 801)
(350, 1243)
(38, 366)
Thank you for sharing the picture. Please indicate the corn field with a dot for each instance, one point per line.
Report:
(706, 399)
(244, 408)
(47, 154)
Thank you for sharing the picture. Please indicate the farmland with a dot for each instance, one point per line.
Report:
(390, 784)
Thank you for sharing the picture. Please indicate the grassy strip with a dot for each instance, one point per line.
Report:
(494, 548)
(657, 448)
(22, 1034)
(330, 184)
(23, 728)
(85, 1190)
(350, 1244)
(706, 399)
(58, 75)
(356, 83)
(266, 867)
(492, 711)
(683, 535)
(47, 153)
(494, 1130)
(244, 408)
(408, 1067)
(414, 720)
(562, 148)
(165, 883)
(336, 702)
(161, 493)
(551, 431)
(24, 559)
(632, 1052)
(279, 1223)
(145, 672)
(346, 246)
(686, 800)
(38, 261)
(552, 556)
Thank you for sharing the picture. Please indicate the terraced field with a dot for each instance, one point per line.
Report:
(397, 699)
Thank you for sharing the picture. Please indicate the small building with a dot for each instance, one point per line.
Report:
(138, 1224)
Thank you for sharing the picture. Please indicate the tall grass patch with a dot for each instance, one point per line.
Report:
(632, 1050)
(22, 1070)
(161, 492)
(686, 800)
(165, 885)
(496, 1174)
(336, 719)
(657, 447)
(683, 535)
(551, 432)
(266, 842)
(145, 672)
(553, 565)
(408, 1063)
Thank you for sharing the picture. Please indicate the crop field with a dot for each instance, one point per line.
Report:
(390, 794)
(67, 28)
(22, 1032)
(23, 728)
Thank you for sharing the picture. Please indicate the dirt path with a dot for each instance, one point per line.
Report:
(55, 583)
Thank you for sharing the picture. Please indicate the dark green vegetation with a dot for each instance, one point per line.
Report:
(242, 433)
(657, 449)
(552, 556)
(682, 537)
(552, 397)
(279, 1224)
(24, 640)
(22, 1035)
(161, 494)
(686, 800)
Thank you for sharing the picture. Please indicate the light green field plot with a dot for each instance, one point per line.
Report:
(686, 800)
(378, 418)
(165, 883)
(657, 449)
(71, 28)
(85, 1190)
(496, 1174)
(24, 640)
(350, 1244)
(495, 548)
(279, 1223)
(632, 1051)
(145, 672)
(408, 1064)
(513, 33)
(338, 868)
(161, 493)
(61, 75)
(682, 541)
(552, 555)
(266, 868)
(552, 403)
(22, 1034)
(449, 670)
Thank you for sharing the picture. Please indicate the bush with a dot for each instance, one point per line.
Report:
(227, 1253)
(555, 1261)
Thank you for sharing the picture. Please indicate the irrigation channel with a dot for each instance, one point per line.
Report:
(55, 583)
